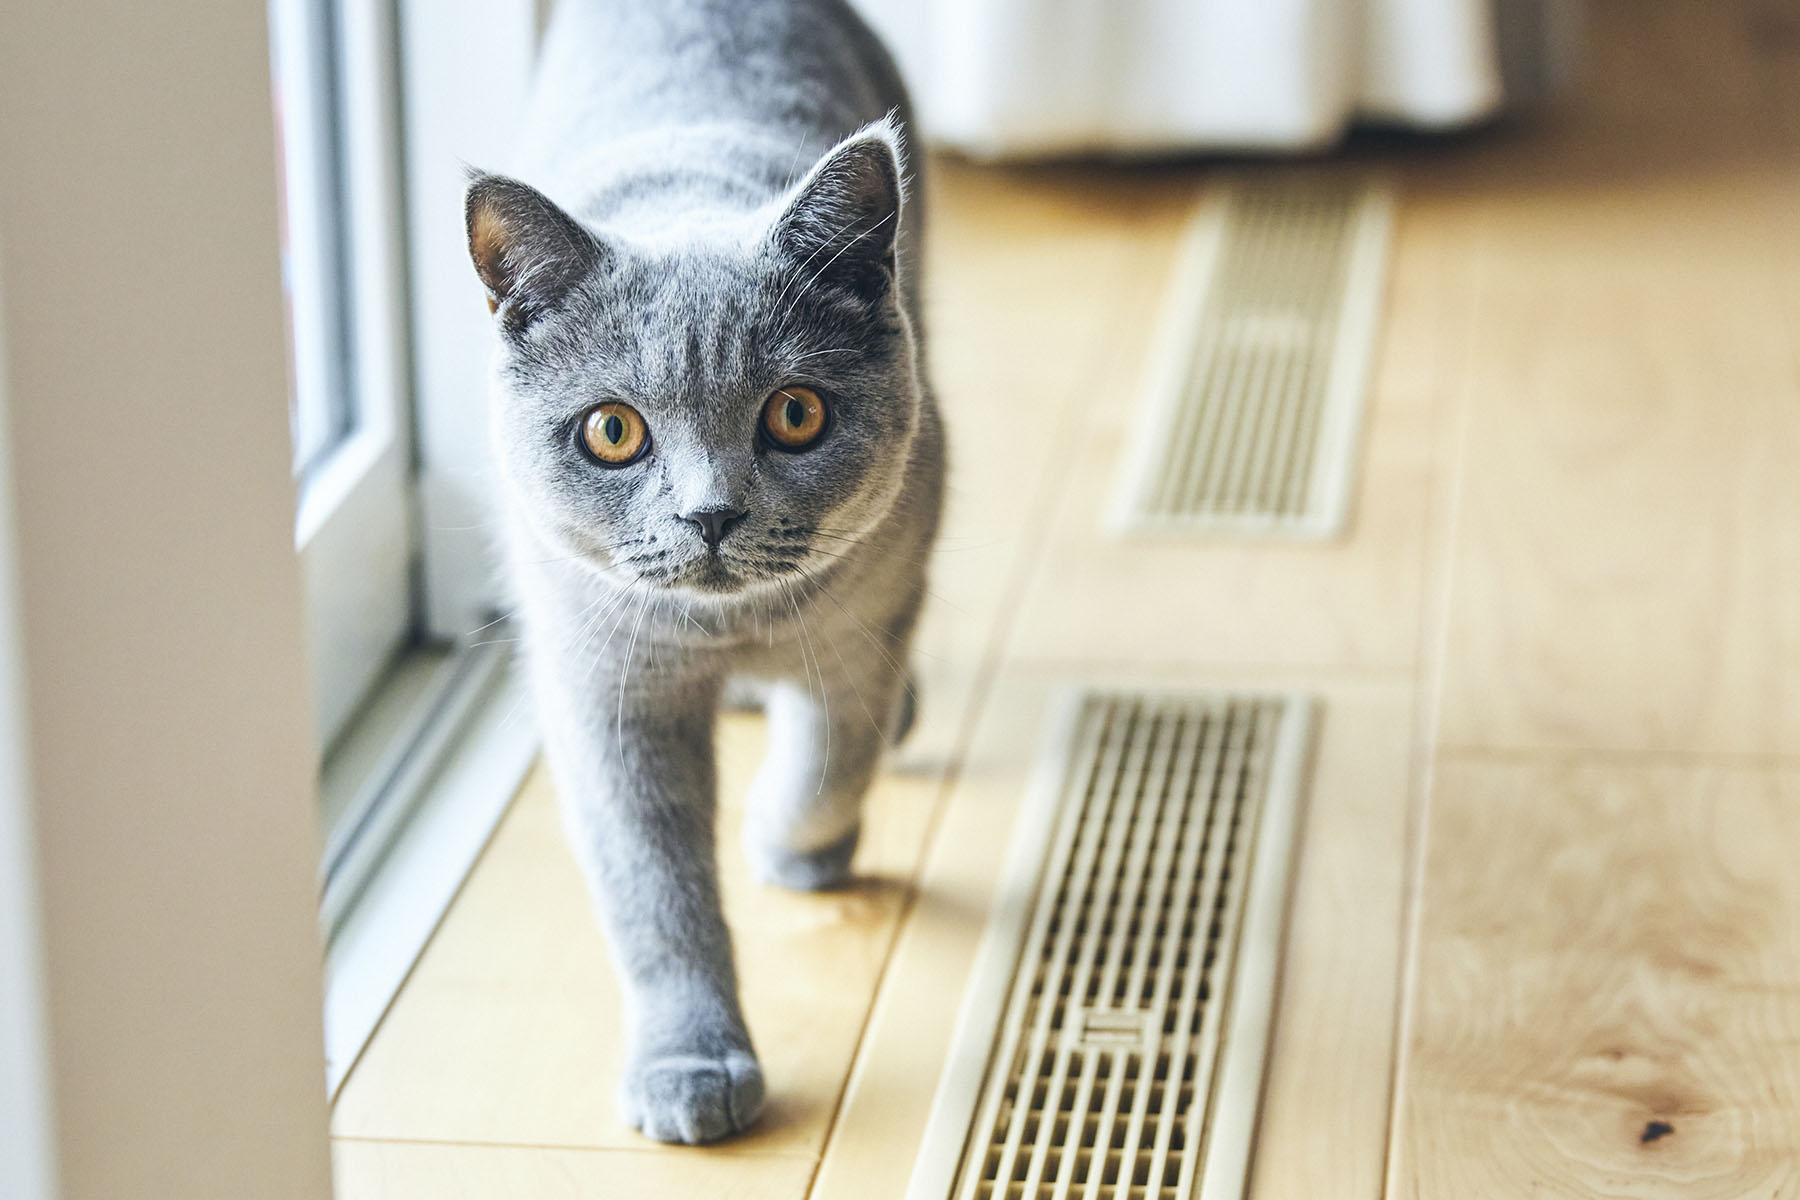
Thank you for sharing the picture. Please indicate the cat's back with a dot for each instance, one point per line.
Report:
(663, 85)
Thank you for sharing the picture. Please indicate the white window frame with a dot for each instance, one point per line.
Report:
(417, 822)
(354, 528)
(467, 74)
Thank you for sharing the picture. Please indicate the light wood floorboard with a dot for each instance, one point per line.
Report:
(1604, 999)
(1608, 1001)
(375, 1170)
(1624, 566)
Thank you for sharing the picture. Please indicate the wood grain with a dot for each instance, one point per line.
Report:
(1624, 571)
(1025, 274)
(1324, 1122)
(1608, 984)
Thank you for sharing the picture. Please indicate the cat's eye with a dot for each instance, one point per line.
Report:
(794, 417)
(614, 434)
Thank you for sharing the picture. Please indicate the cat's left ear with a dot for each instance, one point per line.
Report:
(841, 225)
(528, 252)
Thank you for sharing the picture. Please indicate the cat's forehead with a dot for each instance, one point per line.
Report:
(666, 293)
(695, 311)
(671, 336)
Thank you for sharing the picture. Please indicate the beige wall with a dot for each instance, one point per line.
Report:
(26, 1157)
(158, 619)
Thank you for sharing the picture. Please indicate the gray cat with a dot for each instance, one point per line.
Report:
(721, 467)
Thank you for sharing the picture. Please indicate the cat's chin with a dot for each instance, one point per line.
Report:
(716, 580)
(712, 576)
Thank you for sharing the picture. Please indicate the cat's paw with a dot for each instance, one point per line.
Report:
(693, 1099)
(803, 871)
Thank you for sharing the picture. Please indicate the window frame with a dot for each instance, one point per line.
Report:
(453, 760)
(355, 528)
(467, 67)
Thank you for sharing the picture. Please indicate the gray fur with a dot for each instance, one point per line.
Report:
(723, 166)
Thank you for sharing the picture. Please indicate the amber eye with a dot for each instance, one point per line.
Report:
(615, 434)
(794, 417)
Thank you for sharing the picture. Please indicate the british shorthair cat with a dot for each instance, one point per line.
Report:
(721, 468)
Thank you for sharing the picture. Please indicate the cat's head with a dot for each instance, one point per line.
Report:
(715, 412)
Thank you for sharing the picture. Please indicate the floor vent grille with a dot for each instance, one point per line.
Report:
(1113, 1040)
(1257, 394)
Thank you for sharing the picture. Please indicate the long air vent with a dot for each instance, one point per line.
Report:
(1257, 392)
(1112, 1042)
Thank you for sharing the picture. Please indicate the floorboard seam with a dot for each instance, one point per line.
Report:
(1432, 643)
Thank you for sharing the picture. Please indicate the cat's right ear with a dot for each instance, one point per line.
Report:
(528, 252)
(842, 222)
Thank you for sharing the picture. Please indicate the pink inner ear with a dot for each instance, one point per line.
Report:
(488, 237)
(528, 252)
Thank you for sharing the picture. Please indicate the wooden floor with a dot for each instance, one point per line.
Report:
(1546, 935)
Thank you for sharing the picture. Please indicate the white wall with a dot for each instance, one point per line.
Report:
(165, 750)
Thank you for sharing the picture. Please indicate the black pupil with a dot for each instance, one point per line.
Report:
(614, 429)
(795, 412)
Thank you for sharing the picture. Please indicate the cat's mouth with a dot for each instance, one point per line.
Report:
(711, 574)
(716, 574)
(731, 570)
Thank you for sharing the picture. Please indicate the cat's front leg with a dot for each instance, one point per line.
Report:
(638, 791)
(826, 736)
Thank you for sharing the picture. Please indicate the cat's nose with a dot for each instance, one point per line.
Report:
(714, 523)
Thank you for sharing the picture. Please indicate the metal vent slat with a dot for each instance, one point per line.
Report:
(1101, 1018)
(1254, 409)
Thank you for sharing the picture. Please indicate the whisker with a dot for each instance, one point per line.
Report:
(619, 620)
(601, 609)
(687, 615)
(503, 616)
(792, 177)
(625, 675)
(821, 271)
(938, 596)
(850, 678)
(817, 250)
(874, 641)
(824, 695)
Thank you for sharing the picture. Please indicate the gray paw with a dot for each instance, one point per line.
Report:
(691, 1100)
(811, 871)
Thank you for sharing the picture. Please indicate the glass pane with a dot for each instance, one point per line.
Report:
(312, 228)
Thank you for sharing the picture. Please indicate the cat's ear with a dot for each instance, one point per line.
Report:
(527, 251)
(841, 224)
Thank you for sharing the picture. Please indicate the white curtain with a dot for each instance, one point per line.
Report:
(1030, 77)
